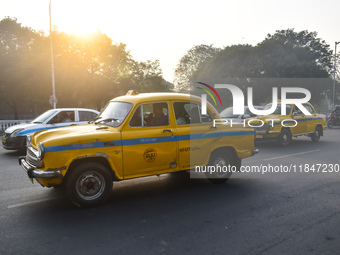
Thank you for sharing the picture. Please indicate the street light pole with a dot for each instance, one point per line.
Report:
(53, 99)
(334, 75)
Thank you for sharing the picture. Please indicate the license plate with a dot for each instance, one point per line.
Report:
(259, 136)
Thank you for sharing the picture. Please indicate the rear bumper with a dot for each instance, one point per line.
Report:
(34, 173)
(267, 132)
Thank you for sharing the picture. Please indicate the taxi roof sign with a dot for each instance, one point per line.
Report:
(132, 92)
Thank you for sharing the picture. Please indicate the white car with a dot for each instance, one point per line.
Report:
(238, 118)
(15, 137)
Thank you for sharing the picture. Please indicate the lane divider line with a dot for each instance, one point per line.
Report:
(291, 155)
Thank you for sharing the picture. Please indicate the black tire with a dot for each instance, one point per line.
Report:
(222, 159)
(330, 124)
(317, 134)
(285, 137)
(89, 184)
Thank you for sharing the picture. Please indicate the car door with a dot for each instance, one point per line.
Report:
(149, 141)
(300, 118)
(195, 135)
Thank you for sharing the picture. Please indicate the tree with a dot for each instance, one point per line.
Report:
(147, 77)
(190, 63)
(89, 70)
(16, 53)
(317, 48)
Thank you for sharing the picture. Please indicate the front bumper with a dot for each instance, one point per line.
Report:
(14, 143)
(34, 173)
(255, 152)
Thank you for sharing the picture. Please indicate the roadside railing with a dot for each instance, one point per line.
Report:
(4, 124)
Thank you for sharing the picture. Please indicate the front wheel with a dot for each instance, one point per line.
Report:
(89, 184)
(330, 123)
(316, 135)
(219, 167)
(285, 137)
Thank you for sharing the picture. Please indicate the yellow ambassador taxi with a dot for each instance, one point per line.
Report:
(136, 135)
(294, 123)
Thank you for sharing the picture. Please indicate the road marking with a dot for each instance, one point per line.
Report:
(29, 203)
(291, 155)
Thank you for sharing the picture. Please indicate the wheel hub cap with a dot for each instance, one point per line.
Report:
(90, 186)
(222, 164)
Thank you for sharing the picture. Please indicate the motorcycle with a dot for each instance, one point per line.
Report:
(333, 120)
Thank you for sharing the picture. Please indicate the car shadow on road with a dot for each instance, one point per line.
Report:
(14, 153)
(166, 194)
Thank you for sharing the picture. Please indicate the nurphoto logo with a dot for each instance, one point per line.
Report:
(238, 99)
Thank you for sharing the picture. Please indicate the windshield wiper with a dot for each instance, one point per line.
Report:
(106, 120)
(93, 120)
(36, 122)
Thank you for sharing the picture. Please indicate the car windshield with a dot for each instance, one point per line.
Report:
(278, 109)
(43, 117)
(114, 114)
(228, 113)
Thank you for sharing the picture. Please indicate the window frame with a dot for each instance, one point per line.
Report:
(142, 115)
(199, 113)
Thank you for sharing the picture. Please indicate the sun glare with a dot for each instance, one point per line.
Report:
(80, 28)
(78, 18)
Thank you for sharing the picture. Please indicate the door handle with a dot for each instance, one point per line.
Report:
(167, 130)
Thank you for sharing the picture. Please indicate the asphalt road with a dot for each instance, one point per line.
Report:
(253, 213)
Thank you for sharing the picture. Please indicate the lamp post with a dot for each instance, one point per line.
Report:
(53, 99)
(336, 43)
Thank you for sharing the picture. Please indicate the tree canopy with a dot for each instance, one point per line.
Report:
(286, 58)
(89, 71)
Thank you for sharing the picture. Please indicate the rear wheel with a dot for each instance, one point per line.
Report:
(317, 134)
(220, 165)
(285, 137)
(89, 184)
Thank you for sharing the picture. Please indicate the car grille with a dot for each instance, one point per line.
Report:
(265, 127)
(31, 156)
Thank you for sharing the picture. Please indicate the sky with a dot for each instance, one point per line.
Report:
(166, 30)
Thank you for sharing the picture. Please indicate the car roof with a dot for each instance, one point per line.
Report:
(144, 97)
(73, 109)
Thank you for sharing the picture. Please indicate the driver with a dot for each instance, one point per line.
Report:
(159, 119)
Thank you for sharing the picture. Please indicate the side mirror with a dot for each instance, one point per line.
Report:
(295, 113)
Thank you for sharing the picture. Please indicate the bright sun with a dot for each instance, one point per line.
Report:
(77, 18)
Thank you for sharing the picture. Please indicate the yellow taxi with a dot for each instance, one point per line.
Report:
(294, 123)
(136, 135)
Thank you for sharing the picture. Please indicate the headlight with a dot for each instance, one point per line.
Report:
(28, 141)
(41, 151)
(16, 132)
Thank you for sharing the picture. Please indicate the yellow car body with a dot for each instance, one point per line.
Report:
(294, 123)
(131, 150)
